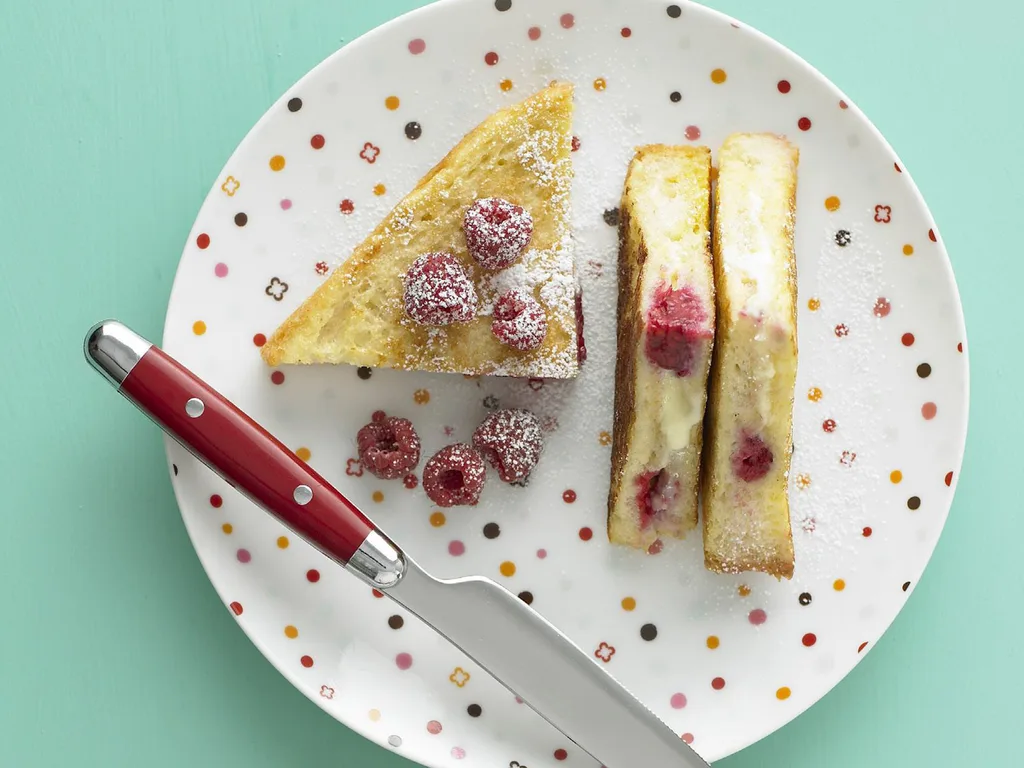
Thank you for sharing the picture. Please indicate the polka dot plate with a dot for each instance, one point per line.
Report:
(880, 413)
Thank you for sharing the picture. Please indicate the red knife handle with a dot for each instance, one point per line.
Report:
(236, 447)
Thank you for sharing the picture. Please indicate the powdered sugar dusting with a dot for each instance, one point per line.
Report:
(519, 320)
(559, 291)
(548, 273)
(511, 441)
(535, 154)
(497, 231)
(400, 220)
(438, 291)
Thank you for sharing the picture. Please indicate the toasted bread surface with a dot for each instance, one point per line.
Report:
(664, 266)
(749, 426)
(357, 316)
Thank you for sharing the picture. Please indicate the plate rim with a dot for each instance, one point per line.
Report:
(367, 39)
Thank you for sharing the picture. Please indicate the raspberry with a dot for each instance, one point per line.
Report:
(388, 447)
(676, 323)
(454, 476)
(497, 231)
(511, 441)
(438, 291)
(655, 492)
(752, 459)
(519, 320)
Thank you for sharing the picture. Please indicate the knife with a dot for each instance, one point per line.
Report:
(510, 640)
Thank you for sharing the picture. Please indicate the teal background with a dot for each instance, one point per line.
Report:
(115, 117)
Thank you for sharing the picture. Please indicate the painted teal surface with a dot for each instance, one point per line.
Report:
(115, 117)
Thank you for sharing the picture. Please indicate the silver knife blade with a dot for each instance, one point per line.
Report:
(534, 660)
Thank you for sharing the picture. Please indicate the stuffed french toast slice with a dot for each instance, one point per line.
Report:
(666, 328)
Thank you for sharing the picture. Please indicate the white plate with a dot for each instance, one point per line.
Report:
(880, 415)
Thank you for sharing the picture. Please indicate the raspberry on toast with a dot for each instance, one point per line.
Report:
(358, 316)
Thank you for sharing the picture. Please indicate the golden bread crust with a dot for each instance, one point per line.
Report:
(632, 255)
(664, 241)
(520, 153)
(746, 524)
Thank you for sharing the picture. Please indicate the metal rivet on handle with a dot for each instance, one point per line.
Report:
(303, 495)
(195, 407)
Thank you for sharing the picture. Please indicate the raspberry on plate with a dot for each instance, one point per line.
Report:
(454, 476)
(519, 320)
(438, 291)
(497, 231)
(511, 441)
(388, 446)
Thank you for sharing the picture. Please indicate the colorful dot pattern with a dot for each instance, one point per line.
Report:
(912, 494)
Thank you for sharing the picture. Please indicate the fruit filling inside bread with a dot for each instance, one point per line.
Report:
(665, 336)
(749, 439)
(677, 327)
(472, 272)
